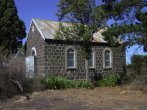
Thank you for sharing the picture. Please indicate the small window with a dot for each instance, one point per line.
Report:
(91, 59)
(107, 58)
(71, 58)
(33, 52)
(33, 29)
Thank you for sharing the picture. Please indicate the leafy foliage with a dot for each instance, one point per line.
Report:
(130, 21)
(84, 22)
(12, 28)
(84, 84)
(57, 82)
(83, 19)
(111, 80)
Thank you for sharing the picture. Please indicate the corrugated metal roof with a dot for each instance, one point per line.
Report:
(48, 30)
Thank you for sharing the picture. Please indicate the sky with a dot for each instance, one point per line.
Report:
(46, 9)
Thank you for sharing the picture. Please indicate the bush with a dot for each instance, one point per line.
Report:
(84, 84)
(11, 74)
(13, 80)
(32, 85)
(111, 80)
(57, 82)
(140, 83)
(139, 62)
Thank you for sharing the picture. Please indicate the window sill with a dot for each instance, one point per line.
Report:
(92, 68)
(71, 68)
(107, 68)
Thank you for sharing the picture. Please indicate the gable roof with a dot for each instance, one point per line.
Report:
(48, 30)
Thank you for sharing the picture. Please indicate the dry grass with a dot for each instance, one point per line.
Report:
(114, 98)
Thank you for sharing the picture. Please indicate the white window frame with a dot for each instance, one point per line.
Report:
(75, 58)
(111, 58)
(93, 53)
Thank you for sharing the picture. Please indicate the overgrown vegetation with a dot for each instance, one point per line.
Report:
(139, 63)
(57, 82)
(137, 73)
(138, 67)
(13, 80)
(11, 73)
(140, 83)
(111, 80)
(85, 84)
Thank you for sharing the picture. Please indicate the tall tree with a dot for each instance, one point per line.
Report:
(12, 29)
(132, 25)
(82, 15)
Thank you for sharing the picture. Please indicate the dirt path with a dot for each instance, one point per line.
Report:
(80, 99)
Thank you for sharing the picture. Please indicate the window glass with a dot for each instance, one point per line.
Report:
(70, 58)
(107, 63)
(107, 58)
(33, 53)
(91, 59)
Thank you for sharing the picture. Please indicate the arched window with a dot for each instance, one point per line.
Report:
(71, 58)
(107, 58)
(33, 52)
(92, 59)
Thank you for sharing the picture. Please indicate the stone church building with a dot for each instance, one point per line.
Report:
(47, 56)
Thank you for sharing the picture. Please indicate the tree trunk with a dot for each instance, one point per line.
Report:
(87, 69)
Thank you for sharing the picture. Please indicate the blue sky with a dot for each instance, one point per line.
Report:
(46, 9)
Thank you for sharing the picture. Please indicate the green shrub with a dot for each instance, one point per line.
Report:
(55, 82)
(84, 84)
(71, 84)
(111, 80)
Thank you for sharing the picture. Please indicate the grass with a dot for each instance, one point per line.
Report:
(103, 98)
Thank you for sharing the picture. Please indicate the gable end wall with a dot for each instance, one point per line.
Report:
(35, 40)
